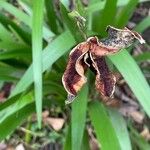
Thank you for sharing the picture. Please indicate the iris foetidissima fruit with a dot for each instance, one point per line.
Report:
(91, 54)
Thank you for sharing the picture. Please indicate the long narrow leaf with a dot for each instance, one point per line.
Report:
(51, 15)
(106, 17)
(15, 120)
(38, 8)
(99, 5)
(67, 144)
(143, 25)
(103, 127)
(126, 13)
(21, 102)
(51, 53)
(120, 127)
(85, 141)
(24, 18)
(142, 57)
(134, 77)
(70, 23)
(18, 53)
(19, 112)
(78, 117)
(6, 21)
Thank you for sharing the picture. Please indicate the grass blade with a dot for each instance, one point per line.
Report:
(70, 23)
(134, 77)
(18, 53)
(126, 13)
(21, 102)
(78, 118)
(67, 144)
(21, 108)
(19, 117)
(143, 25)
(38, 8)
(5, 35)
(50, 54)
(6, 21)
(120, 127)
(103, 127)
(51, 15)
(24, 18)
(142, 57)
(99, 5)
(16, 12)
(85, 141)
(106, 17)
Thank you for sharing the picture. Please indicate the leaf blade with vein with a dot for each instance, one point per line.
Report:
(134, 77)
(78, 118)
(49, 57)
(103, 127)
(37, 23)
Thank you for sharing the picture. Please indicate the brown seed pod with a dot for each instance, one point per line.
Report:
(73, 78)
(91, 54)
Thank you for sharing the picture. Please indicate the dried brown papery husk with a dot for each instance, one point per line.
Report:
(92, 54)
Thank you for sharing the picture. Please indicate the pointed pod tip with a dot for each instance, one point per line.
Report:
(70, 99)
(142, 41)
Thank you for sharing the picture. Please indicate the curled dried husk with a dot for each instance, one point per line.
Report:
(73, 78)
(105, 80)
(121, 38)
(92, 54)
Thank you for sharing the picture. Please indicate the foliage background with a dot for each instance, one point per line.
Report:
(35, 39)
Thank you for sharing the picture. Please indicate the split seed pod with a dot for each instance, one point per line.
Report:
(91, 54)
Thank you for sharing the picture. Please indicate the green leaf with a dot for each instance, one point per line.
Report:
(5, 45)
(18, 109)
(51, 53)
(5, 35)
(7, 69)
(103, 127)
(120, 127)
(16, 12)
(134, 77)
(85, 141)
(79, 7)
(14, 120)
(26, 6)
(38, 8)
(78, 118)
(21, 102)
(24, 18)
(8, 78)
(106, 17)
(51, 15)
(18, 37)
(126, 13)
(143, 25)
(18, 53)
(20, 29)
(67, 144)
(99, 5)
(71, 23)
(142, 57)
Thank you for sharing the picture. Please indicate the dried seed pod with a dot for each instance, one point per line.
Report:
(91, 54)
(73, 78)
(105, 80)
(121, 38)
